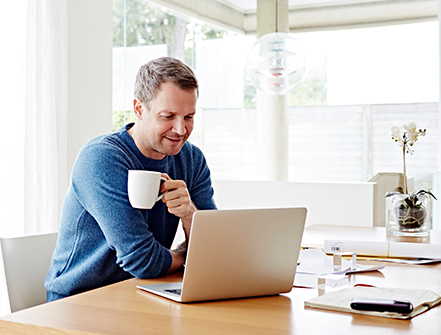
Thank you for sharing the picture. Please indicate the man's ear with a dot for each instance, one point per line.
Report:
(137, 108)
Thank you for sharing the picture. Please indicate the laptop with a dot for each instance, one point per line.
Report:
(238, 254)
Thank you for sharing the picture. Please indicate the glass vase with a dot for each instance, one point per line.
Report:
(405, 220)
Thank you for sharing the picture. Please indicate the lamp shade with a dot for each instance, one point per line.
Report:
(276, 63)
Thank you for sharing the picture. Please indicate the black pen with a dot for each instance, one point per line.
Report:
(382, 305)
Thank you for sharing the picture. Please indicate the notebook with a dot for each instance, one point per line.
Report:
(238, 254)
(421, 299)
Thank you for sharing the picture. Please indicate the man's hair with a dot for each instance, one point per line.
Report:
(165, 69)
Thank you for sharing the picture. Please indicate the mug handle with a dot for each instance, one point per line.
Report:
(160, 196)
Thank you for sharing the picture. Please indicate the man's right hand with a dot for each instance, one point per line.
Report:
(177, 199)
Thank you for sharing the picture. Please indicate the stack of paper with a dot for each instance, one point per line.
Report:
(385, 248)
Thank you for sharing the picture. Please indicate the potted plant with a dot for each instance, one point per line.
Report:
(408, 214)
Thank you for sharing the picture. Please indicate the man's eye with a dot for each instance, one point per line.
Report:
(189, 117)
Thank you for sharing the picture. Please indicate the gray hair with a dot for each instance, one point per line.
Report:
(166, 69)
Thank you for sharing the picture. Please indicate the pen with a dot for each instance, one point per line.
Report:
(382, 305)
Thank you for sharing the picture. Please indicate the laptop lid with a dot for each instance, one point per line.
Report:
(239, 253)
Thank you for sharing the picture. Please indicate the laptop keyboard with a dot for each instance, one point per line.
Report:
(175, 291)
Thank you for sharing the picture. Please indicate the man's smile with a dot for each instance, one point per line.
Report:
(174, 139)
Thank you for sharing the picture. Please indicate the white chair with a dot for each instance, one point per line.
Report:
(26, 261)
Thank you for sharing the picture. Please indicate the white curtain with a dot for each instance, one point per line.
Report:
(12, 111)
(33, 67)
(45, 114)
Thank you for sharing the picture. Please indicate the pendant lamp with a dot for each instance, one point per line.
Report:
(276, 63)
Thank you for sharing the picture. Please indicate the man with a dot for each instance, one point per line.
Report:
(102, 239)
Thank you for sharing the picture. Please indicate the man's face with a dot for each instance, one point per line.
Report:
(165, 127)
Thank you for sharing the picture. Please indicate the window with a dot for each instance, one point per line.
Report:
(360, 83)
(144, 31)
(382, 65)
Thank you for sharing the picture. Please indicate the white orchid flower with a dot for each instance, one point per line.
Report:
(406, 136)
(413, 137)
(410, 127)
(397, 135)
(395, 132)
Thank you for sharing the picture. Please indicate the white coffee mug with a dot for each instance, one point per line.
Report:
(143, 187)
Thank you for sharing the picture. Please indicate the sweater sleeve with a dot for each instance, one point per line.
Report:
(99, 180)
(200, 186)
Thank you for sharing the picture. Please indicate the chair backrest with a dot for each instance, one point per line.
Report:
(26, 261)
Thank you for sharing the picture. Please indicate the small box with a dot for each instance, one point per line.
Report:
(337, 260)
(332, 280)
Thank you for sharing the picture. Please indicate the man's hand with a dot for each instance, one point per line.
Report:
(178, 201)
(178, 257)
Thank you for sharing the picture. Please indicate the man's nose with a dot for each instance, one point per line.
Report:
(179, 127)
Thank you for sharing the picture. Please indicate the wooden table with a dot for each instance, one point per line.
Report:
(123, 309)
(15, 328)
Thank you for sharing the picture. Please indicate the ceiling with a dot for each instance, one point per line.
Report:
(308, 15)
(250, 6)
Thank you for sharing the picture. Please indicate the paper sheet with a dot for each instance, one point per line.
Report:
(417, 261)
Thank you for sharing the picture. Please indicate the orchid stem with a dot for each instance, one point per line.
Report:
(404, 166)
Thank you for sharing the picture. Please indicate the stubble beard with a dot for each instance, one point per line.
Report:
(165, 149)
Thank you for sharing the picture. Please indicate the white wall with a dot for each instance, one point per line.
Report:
(345, 204)
(89, 46)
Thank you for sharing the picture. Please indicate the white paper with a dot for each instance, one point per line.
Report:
(415, 250)
(417, 261)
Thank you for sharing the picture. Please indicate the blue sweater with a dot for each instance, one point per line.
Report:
(102, 239)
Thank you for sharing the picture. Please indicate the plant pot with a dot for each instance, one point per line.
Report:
(403, 220)
(410, 218)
